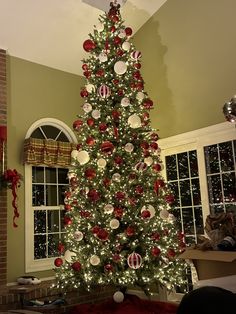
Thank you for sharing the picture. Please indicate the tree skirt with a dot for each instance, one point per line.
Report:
(131, 305)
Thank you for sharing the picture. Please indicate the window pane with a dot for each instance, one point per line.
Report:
(61, 194)
(38, 195)
(62, 176)
(216, 209)
(214, 188)
(199, 220)
(229, 187)
(51, 176)
(53, 220)
(171, 169)
(40, 246)
(226, 156)
(50, 131)
(174, 186)
(185, 193)
(193, 163)
(196, 191)
(187, 214)
(183, 165)
(37, 174)
(53, 240)
(212, 159)
(39, 221)
(51, 195)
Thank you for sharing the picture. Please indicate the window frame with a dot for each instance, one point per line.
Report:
(196, 140)
(32, 265)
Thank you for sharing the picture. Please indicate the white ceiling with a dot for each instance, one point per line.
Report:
(52, 32)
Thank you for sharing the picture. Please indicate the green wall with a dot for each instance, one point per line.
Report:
(188, 63)
(34, 92)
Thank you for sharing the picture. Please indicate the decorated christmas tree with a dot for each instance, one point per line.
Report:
(118, 221)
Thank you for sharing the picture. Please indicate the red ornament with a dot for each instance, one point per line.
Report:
(87, 74)
(85, 67)
(137, 75)
(93, 195)
(130, 231)
(100, 73)
(95, 230)
(90, 122)
(118, 160)
(77, 124)
(67, 221)
(90, 141)
(132, 176)
(139, 189)
(171, 253)
(115, 114)
(146, 116)
(132, 201)
(67, 207)
(137, 65)
(118, 212)
(120, 52)
(102, 234)
(170, 198)
(146, 153)
(148, 103)
(90, 173)
(106, 182)
(156, 167)
(120, 196)
(154, 136)
(108, 268)
(155, 236)
(58, 262)
(84, 93)
(89, 45)
(117, 40)
(115, 18)
(107, 147)
(116, 81)
(155, 251)
(144, 145)
(116, 133)
(134, 260)
(61, 248)
(128, 31)
(154, 145)
(120, 92)
(76, 266)
(145, 214)
(141, 166)
(116, 258)
(139, 86)
(113, 29)
(102, 127)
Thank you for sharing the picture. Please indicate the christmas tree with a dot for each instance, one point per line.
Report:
(119, 226)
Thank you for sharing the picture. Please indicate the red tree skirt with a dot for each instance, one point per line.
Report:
(131, 305)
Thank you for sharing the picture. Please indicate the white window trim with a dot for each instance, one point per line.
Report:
(32, 265)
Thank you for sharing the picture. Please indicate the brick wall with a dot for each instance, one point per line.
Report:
(3, 192)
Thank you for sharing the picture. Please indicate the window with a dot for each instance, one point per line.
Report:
(200, 167)
(47, 154)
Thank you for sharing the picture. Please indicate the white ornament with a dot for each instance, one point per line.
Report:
(148, 160)
(116, 177)
(120, 67)
(135, 55)
(87, 107)
(69, 255)
(164, 214)
(78, 235)
(122, 34)
(125, 102)
(118, 297)
(114, 223)
(126, 46)
(129, 147)
(134, 121)
(103, 57)
(104, 91)
(90, 88)
(108, 209)
(99, 27)
(94, 260)
(74, 154)
(151, 210)
(171, 218)
(140, 96)
(83, 157)
(96, 114)
(101, 163)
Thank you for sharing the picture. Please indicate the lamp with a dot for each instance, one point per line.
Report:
(3, 139)
(229, 110)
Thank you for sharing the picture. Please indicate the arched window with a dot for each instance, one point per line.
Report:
(47, 152)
